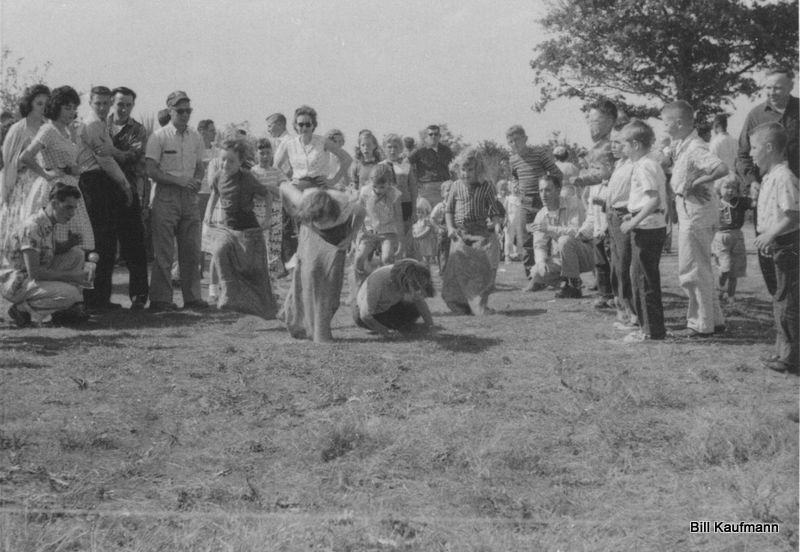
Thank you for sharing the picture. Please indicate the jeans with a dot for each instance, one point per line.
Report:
(621, 245)
(103, 198)
(647, 245)
(785, 301)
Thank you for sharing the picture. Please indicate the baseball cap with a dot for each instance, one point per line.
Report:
(176, 97)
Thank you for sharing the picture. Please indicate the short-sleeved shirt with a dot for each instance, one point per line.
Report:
(236, 192)
(306, 160)
(564, 221)
(377, 294)
(472, 204)
(381, 211)
(34, 234)
(619, 184)
(58, 150)
(648, 176)
(529, 166)
(361, 172)
(177, 153)
(692, 159)
(779, 193)
(432, 165)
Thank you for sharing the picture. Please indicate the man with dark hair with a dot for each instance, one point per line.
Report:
(432, 165)
(780, 106)
(45, 277)
(276, 127)
(105, 188)
(174, 157)
(129, 138)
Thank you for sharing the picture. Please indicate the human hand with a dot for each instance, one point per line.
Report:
(73, 240)
(626, 226)
(102, 150)
(126, 190)
(452, 233)
(699, 190)
(763, 243)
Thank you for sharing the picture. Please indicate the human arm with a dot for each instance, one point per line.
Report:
(788, 220)
(422, 307)
(344, 161)
(714, 169)
(38, 272)
(397, 215)
(648, 207)
(413, 191)
(281, 161)
(541, 241)
(744, 162)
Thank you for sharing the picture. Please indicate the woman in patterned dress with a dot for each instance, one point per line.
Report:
(15, 181)
(56, 149)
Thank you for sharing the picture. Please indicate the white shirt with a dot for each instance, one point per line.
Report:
(177, 153)
(648, 176)
(778, 194)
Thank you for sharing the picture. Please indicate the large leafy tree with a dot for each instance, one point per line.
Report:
(643, 53)
(15, 79)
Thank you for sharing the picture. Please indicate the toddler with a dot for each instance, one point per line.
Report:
(728, 246)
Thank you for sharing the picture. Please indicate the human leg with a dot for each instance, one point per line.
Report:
(132, 249)
(101, 200)
(164, 216)
(188, 235)
(648, 245)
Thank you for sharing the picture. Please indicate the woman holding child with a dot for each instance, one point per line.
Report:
(471, 213)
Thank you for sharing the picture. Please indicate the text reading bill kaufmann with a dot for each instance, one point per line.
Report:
(727, 527)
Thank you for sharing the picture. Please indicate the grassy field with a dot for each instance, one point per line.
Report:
(534, 429)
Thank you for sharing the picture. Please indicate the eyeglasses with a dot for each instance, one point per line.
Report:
(184, 111)
(434, 134)
(301, 125)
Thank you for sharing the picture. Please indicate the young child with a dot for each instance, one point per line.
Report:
(425, 233)
(438, 220)
(728, 248)
(502, 194)
(269, 208)
(384, 220)
(647, 224)
(367, 157)
(471, 213)
(405, 180)
(595, 229)
(779, 235)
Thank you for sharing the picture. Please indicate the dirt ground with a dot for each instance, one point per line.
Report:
(535, 428)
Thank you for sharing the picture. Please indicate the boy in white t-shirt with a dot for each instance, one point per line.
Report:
(779, 236)
(647, 223)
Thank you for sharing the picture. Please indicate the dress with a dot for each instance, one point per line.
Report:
(16, 179)
(316, 281)
(58, 153)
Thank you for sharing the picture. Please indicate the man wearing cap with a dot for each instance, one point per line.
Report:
(174, 158)
(105, 190)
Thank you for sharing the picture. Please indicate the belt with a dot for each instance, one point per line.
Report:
(65, 170)
(656, 212)
(788, 238)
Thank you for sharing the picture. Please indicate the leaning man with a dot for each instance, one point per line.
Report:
(44, 278)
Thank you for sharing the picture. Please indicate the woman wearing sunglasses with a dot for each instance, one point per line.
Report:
(308, 155)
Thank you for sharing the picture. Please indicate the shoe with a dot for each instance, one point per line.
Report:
(138, 303)
(212, 299)
(76, 314)
(604, 303)
(198, 304)
(568, 292)
(21, 318)
(690, 333)
(780, 367)
(634, 337)
(625, 326)
(162, 306)
(768, 358)
(534, 286)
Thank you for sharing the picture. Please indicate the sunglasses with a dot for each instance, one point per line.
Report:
(184, 111)
(301, 125)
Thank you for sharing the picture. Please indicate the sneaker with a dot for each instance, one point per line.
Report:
(212, 299)
(780, 367)
(197, 304)
(21, 318)
(635, 337)
(162, 306)
(568, 292)
(138, 303)
(76, 314)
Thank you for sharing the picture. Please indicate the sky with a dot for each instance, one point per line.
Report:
(385, 66)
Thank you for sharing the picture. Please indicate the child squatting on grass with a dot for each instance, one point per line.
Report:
(779, 236)
(647, 224)
(392, 298)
